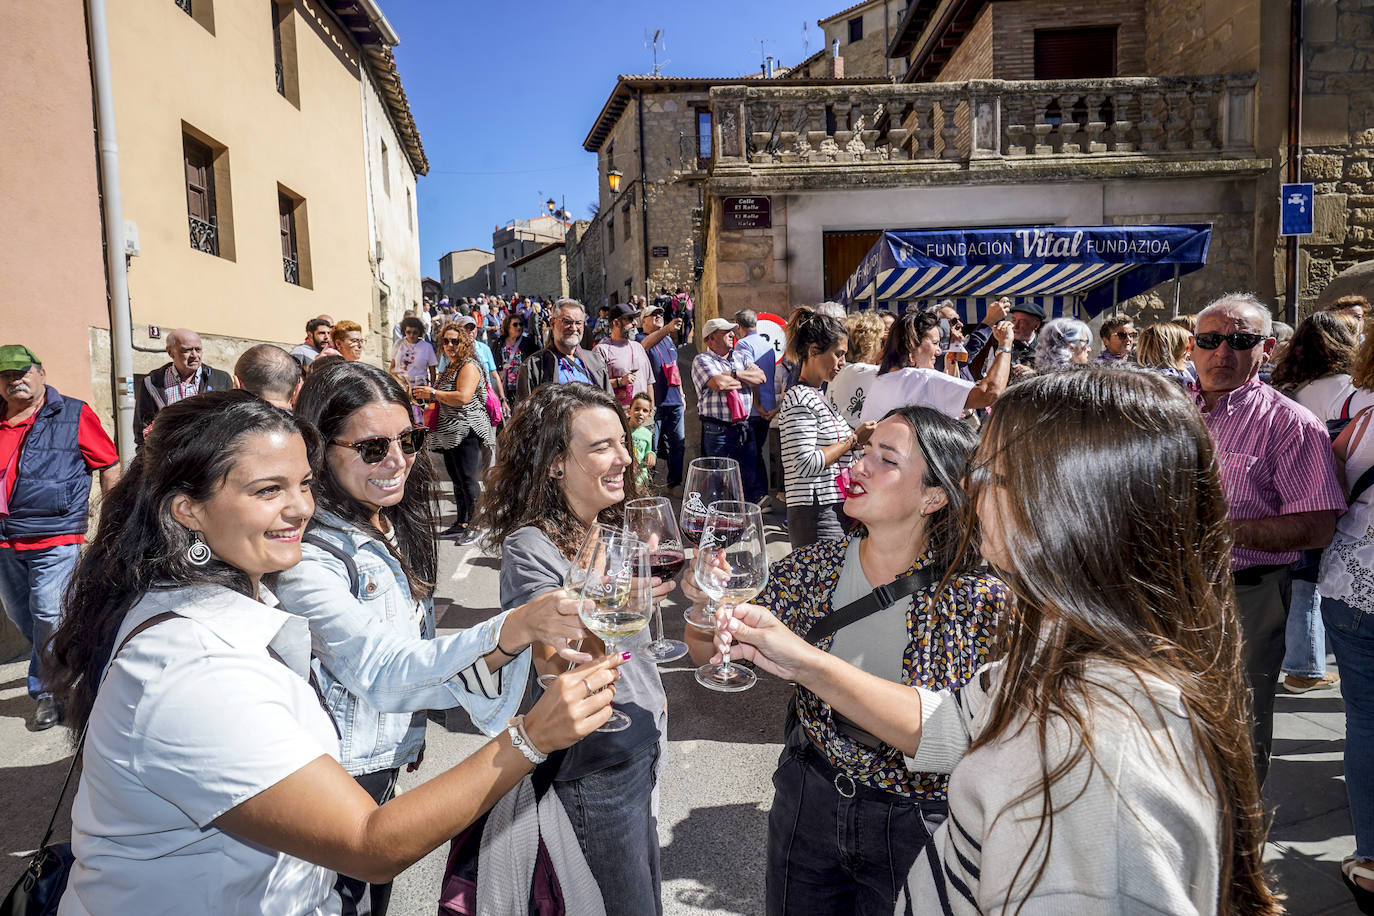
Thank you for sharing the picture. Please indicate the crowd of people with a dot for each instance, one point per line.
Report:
(1018, 688)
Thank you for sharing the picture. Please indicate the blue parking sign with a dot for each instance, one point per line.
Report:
(1295, 208)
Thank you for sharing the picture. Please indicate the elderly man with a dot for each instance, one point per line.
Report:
(724, 377)
(1026, 319)
(176, 381)
(565, 359)
(1280, 481)
(626, 359)
(316, 340)
(271, 373)
(1118, 339)
(49, 446)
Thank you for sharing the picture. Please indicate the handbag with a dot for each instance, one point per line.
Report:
(39, 889)
(494, 407)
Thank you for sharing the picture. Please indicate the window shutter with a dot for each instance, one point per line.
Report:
(199, 180)
(1067, 54)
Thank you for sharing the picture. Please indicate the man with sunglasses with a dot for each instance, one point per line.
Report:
(564, 359)
(1118, 339)
(1280, 481)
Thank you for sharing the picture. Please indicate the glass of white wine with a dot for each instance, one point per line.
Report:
(731, 567)
(617, 597)
(572, 585)
(708, 480)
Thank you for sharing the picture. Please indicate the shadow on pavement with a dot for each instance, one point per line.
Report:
(696, 853)
(30, 794)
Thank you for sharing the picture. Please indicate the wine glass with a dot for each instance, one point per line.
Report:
(708, 480)
(572, 587)
(616, 598)
(651, 520)
(731, 567)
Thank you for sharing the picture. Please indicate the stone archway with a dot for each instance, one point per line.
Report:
(1353, 281)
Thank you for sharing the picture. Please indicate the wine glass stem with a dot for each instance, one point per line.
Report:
(725, 668)
(572, 664)
(658, 616)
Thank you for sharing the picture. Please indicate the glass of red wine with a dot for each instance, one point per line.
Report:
(708, 480)
(651, 520)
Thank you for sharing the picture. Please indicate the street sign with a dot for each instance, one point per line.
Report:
(659, 251)
(747, 213)
(1295, 208)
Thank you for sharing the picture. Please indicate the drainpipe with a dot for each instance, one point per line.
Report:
(112, 205)
(643, 192)
(1295, 79)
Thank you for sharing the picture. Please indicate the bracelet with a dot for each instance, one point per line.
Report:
(504, 652)
(1004, 349)
(520, 740)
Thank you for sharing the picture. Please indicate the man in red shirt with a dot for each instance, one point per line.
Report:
(49, 446)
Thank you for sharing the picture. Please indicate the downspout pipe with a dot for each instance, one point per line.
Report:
(1295, 81)
(643, 191)
(112, 206)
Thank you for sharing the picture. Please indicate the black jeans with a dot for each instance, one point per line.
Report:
(733, 440)
(464, 465)
(1262, 599)
(836, 847)
(360, 898)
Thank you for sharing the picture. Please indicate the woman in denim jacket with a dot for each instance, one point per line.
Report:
(365, 583)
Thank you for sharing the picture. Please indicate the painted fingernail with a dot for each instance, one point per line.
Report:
(625, 656)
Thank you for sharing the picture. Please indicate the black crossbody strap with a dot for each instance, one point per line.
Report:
(354, 582)
(874, 601)
(81, 742)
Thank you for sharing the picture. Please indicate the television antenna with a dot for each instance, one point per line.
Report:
(764, 56)
(654, 42)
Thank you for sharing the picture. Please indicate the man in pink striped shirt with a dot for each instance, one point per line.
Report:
(1280, 481)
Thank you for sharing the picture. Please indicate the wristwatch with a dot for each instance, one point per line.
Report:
(520, 740)
(1004, 349)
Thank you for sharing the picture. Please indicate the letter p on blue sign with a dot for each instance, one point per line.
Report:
(1295, 208)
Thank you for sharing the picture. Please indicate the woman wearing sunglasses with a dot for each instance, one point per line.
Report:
(511, 351)
(366, 584)
(463, 426)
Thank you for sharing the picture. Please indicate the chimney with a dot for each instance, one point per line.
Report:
(836, 61)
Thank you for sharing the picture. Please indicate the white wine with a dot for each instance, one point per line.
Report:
(730, 596)
(615, 625)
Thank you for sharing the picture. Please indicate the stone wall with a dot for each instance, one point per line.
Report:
(544, 275)
(868, 55)
(1229, 266)
(972, 60)
(1218, 36)
(1014, 26)
(750, 266)
(1338, 135)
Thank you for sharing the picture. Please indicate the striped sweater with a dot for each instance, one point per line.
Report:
(807, 424)
(1135, 831)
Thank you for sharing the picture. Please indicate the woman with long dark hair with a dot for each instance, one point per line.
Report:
(817, 441)
(1104, 761)
(210, 779)
(931, 626)
(908, 375)
(566, 464)
(511, 350)
(463, 427)
(366, 585)
(1316, 367)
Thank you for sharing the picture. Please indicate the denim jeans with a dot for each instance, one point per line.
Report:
(829, 852)
(32, 583)
(670, 434)
(758, 432)
(1305, 637)
(732, 440)
(612, 814)
(1351, 633)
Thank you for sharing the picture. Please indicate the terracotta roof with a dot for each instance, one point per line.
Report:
(833, 16)
(625, 85)
(536, 253)
(375, 37)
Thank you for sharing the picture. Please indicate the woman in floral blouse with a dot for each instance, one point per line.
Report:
(514, 346)
(848, 816)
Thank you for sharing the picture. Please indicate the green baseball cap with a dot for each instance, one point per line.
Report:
(17, 358)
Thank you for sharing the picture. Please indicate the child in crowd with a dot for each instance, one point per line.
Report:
(642, 434)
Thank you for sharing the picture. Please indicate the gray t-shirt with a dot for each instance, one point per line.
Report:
(530, 566)
(876, 643)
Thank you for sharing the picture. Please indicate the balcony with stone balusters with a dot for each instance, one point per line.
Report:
(810, 138)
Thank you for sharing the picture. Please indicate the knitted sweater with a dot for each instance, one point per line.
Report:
(1135, 832)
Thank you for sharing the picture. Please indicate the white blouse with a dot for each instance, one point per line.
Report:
(193, 718)
(1347, 569)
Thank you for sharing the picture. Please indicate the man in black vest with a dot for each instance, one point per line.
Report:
(49, 446)
(177, 380)
(564, 359)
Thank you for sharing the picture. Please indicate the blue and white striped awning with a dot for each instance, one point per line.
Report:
(1071, 270)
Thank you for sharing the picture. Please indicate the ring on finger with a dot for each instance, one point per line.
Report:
(586, 684)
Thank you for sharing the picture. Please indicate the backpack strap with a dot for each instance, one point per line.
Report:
(1345, 408)
(874, 601)
(354, 581)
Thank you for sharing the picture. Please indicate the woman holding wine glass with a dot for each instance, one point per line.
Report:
(930, 621)
(565, 466)
(651, 520)
(708, 480)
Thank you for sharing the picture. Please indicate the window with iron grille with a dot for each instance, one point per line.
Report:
(199, 160)
(290, 254)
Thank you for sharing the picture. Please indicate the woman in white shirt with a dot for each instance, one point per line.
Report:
(817, 442)
(210, 779)
(908, 377)
(850, 387)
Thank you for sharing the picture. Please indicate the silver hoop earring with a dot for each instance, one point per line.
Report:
(198, 554)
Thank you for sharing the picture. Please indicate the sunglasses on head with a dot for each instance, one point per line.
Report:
(375, 448)
(1237, 340)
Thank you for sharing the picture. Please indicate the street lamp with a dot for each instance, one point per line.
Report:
(551, 204)
(613, 180)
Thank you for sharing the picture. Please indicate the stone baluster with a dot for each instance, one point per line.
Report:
(1073, 132)
(1204, 135)
(1175, 141)
(1097, 123)
(816, 136)
(1122, 125)
(924, 147)
(1018, 115)
(949, 127)
(760, 132)
(1042, 127)
(1150, 128)
(898, 111)
(865, 140)
(787, 131)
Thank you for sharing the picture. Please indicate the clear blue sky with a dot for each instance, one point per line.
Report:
(504, 93)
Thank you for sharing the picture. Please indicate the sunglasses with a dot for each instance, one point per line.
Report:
(1237, 340)
(451, 340)
(374, 449)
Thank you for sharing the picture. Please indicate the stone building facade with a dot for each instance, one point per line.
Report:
(542, 273)
(466, 272)
(862, 34)
(516, 239)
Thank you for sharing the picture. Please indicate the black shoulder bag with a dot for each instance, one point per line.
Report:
(39, 889)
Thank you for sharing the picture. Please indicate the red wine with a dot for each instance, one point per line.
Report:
(691, 529)
(666, 564)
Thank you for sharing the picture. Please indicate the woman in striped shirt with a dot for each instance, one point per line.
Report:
(817, 441)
